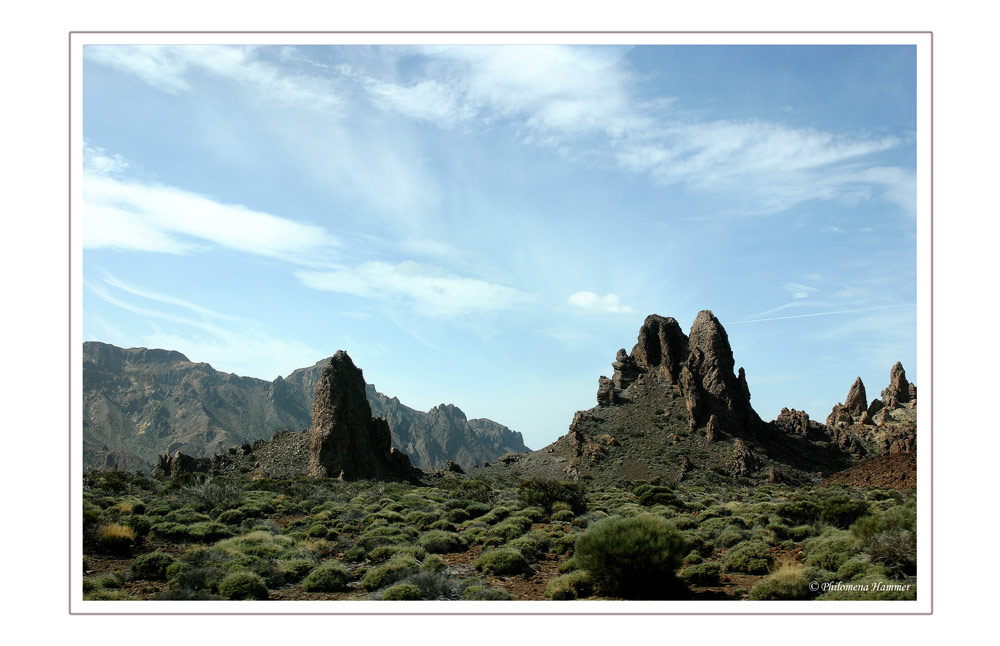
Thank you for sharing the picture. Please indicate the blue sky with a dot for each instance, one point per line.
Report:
(486, 226)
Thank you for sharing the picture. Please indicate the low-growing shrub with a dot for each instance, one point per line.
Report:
(395, 570)
(842, 511)
(752, 557)
(294, 570)
(799, 511)
(633, 557)
(151, 567)
(328, 577)
(116, 539)
(243, 586)
(441, 542)
(830, 550)
(788, 581)
(701, 574)
(544, 493)
(402, 592)
(502, 562)
(575, 585)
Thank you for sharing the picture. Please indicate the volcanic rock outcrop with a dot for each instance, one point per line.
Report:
(675, 408)
(886, 425)
(346, 442)
(700, 366)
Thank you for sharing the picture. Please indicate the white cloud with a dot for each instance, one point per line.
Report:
(128, 214)
(799, 290)
(591, 302)
(234, 344)
(171, 68)
(430, 290)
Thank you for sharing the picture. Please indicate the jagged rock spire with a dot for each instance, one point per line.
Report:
(345, 440)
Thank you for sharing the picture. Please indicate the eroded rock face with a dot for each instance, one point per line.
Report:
(700, 366)
(886, 425)
(857, 399)
(899, 390)
(345, 440)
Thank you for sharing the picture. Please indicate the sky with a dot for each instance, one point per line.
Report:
(487, 225)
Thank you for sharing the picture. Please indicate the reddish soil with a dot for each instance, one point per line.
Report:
(890, 470)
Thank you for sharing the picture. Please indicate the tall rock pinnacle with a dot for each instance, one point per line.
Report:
(345, 440)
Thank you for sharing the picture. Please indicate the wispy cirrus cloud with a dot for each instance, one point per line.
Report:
(130, 214)
(235, 344)
(429, 290)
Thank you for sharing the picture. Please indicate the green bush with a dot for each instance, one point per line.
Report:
(575, 585)
(402, 592)
(649, 495)
(433, 563)
(635, 558)
(440, 542)
(799, 511)
(328, 577)
(395, 570)
(502, 562)
(117, 539)
(151, 567)
(294, 570)
(787, 582)
(701, 574)
(475, 509)
(231, 517)
(509, 529)
(243, 586)
(842, 511)
(752, 557)
(544, 493)
(830, 550)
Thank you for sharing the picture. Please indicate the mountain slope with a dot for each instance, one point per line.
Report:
(139, 403)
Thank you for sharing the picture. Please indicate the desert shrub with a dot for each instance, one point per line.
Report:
(788, 581)
(475, 509)
(151, 567)
(562, 516)
(575, 585)
(799, 511)
(901, 517)
(231, 517)
(208, 532)
(317, 530)
(103, 582)
(186, 516)
(108, 595)
(116, 539)
(434, 585)
(502, 562)
(841, 511)
(395, 570)
(632, 557)
(544, 493)
(442, 524)
(830, 550)
(896, 550)
(355, 554)
(564, 544)
(441, 542)
(170, 531)
(531, 546)
(457, 515)
(328, 577)
(649, 495)
(752, 557)
(140, 523)
(684, 522)
(715, 511)
(509, 529)
(483, 592)
(534, 514)
(385, 535)
(205, 579)
(433, 563)
(857, 567)
(729, 536)
(259, 543)
(701, 574)
(243, 586)
(692, 558)
(474, 490)
(294, 570)
(402, 592)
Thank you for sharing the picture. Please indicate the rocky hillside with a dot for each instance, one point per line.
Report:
(140, 403)
(676, 408)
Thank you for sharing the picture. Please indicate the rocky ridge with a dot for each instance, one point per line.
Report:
(140, 403)
(677, 408)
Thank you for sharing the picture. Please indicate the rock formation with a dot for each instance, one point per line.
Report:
(886, 425)
(346, 442)
(140, 403)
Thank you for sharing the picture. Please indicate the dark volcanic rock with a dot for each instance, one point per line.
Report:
(140, 403)
(661, 347)
(857, 400)
(346, 442)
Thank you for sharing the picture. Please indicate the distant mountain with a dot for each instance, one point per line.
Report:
(139, 403)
